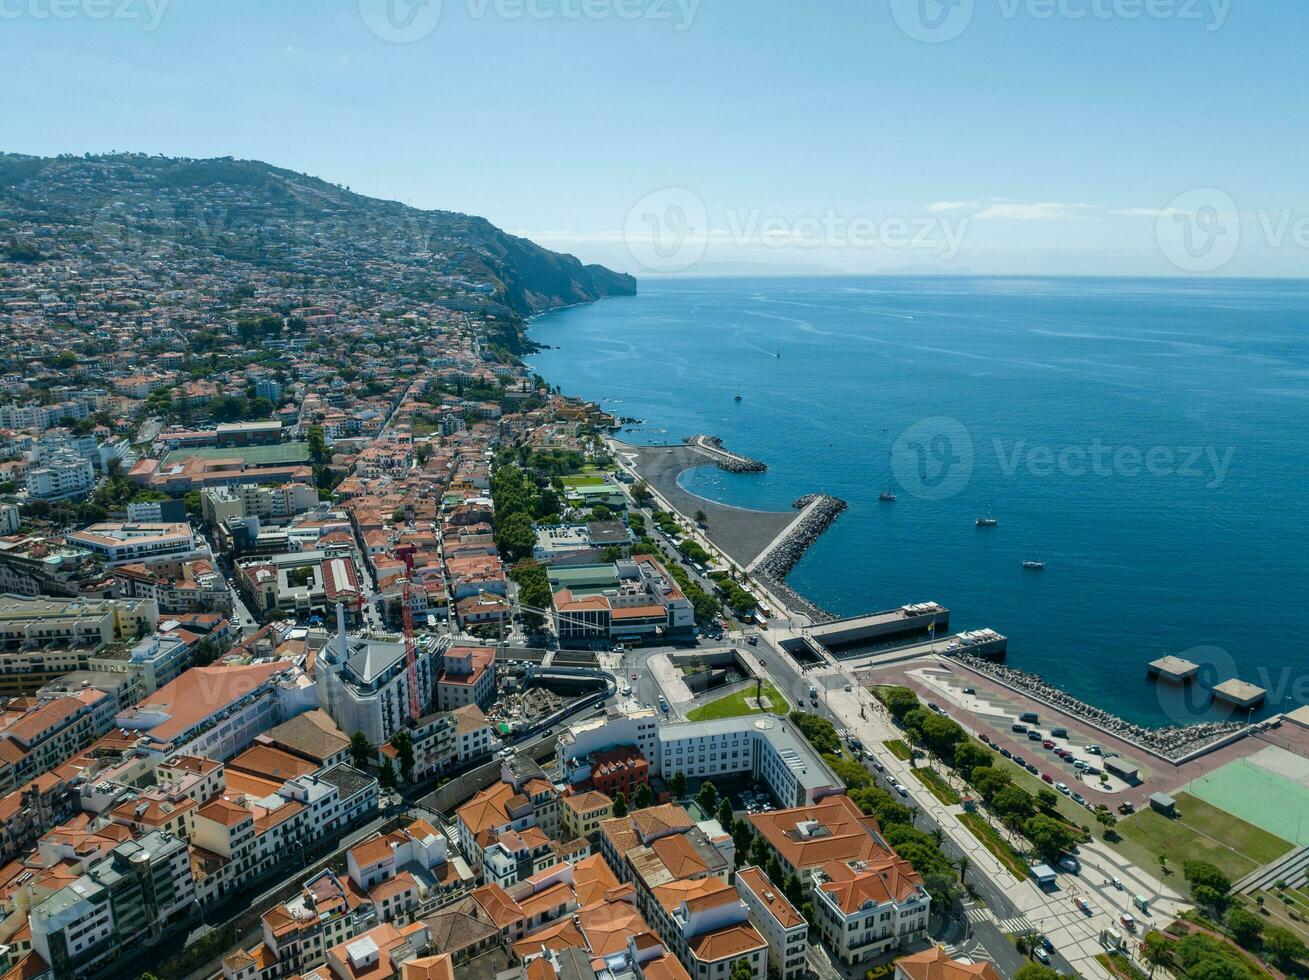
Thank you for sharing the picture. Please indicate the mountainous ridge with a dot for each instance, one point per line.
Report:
(249, 211)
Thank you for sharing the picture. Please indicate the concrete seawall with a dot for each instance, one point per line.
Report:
(818, 513)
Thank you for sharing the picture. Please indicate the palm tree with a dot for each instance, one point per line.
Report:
(701, 518)
(938, 835)
(963, 865)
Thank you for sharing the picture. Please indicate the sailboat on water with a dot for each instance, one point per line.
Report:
(1035, 564)
(988, 520)
(887, 496)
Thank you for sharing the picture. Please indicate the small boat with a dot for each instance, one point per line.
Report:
(987, 521)
(738, 397)
(1034, 565)
(886, 496)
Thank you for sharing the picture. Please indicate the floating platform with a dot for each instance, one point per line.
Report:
(1239, 693)
(1173, 669)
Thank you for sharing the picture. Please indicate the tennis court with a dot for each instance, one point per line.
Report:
(280, 454)
(1270, 789)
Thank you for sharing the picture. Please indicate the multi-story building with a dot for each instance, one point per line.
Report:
(10, 518)
(217, 711)
(268, 502)
(468, 678)
(782, 926)
(804, 839)
(175, 584)
(583, 813)
(118, 544)
(40, 734)
(64, 476)
(364, 684)
(43, 638)
(629, 600)
(125, 897)
(867, 909)
(935, 964)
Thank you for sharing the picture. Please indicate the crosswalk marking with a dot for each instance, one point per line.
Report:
(1018, 924)
(978, 915)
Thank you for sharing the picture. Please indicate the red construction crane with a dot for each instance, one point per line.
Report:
(411, 646)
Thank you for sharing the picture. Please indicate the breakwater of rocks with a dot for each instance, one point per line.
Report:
(1172, 743)
(728, 461)
(787, 552)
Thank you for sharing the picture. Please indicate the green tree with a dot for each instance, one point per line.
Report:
(725, 816)
(677, 784)
(742, 970)
(318, 451)
(1284, 946)
(386, 773)
(642, 797)
(1202, 873)
(774, 869)
(702, 519)
(1246, 927)
(1157, 951)
(361, 750)
(1049, 836)
(707, 797)
(515, 536)
(641, 493)
(1035, 971)
(793, 890)
(620, 804)
(403, 743)
(899, 701)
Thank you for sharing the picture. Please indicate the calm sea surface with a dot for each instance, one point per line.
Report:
(1147, 439)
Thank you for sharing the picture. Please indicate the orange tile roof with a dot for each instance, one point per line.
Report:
(725, 943)
(934, 964)
(890, 880)
(770, 896)
(608, 925)
(844, 833)
(666, 967)
(496, 903)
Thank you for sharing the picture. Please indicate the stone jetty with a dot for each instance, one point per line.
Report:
(820, 511)
(731, 462)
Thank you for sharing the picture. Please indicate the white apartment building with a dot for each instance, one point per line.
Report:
(782, 926)
(119, 543)
(867, 909)
(364, 684)
(66, 476)
(268, 503)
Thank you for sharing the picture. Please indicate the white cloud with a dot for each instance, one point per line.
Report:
(938, 206)
(1040, 211)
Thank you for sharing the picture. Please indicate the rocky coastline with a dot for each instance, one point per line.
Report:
(1172, 743)
(773, 568)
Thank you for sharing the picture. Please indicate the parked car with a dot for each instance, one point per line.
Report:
(1032, 769)
(1034, 736)
(1044, 940)
(1082, 904)
(1062, 787)
(1095, 750)
(1047, 744)
(969, 690)
(1020, 761)
(1048, 778)
(1040, 953)
(1128, 922)
(1006, 753)
(1079, 799)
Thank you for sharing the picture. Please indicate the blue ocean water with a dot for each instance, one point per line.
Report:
(1145, 438)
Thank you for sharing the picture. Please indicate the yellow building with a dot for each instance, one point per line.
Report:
(582, 813)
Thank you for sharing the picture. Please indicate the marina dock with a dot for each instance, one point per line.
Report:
(1173, 669)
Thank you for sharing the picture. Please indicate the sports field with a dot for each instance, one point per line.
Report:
(1270, 789)
(283, 453)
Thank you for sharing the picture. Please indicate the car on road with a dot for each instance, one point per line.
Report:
(986, 739)
(753, 641)
(1040, 953)
(933, 706)
(878, 766)
(1063, 788)
(1032, 769)
(1095, 750)
(901, 790)
(1082, 904)
(1079, 799)
(1047, 744)
(1020, 761)
(1118, 884)
(1044, 940)
(969, 690)
(1006, 753)
(1128, 922)
(1048, 778)
(1034, 736)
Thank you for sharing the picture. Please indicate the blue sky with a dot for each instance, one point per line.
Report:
(811, 134)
